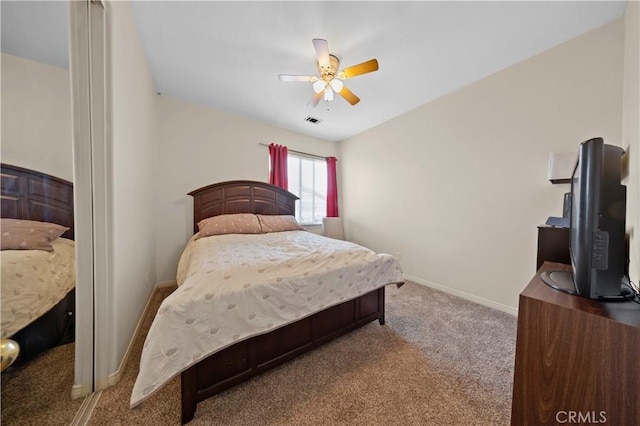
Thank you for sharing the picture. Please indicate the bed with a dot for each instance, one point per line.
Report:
(38, 287)
(218, 338)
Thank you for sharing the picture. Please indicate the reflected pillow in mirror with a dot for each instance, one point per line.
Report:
(19, 234)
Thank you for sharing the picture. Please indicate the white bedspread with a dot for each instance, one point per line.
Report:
(233, 287)
(33, 281)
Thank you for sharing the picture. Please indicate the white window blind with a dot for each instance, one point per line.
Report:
(308, 180)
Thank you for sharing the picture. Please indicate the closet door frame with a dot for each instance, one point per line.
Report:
(90, 76)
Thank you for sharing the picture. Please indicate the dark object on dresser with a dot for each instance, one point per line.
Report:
(597, 221)
(553, 245)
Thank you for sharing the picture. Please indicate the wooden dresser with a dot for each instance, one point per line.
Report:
(576, 359)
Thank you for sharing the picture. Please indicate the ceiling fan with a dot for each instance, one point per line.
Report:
(329, 80)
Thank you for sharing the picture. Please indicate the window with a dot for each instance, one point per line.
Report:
(308, 180)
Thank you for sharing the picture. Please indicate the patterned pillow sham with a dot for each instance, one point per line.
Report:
(278, 223)
(19, 234)
(239, 223)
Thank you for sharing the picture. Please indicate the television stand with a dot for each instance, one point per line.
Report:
(559, 280)
(563, 281)
(575, 357)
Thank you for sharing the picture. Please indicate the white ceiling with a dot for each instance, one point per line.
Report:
(36, 30)
(227, 55)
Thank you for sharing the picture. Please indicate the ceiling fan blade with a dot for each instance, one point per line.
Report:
(285, 77)
(363, 68)
(349, 96)
(322, 51)
(315, 99)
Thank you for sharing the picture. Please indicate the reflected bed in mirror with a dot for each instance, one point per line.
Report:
(38, 276)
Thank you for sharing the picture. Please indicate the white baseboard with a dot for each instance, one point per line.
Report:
(165, 284)
(472, 298)
(116, 375)
(80, 391)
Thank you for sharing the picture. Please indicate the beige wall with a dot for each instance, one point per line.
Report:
(133, 138)
(459, 185)
(198, 146)
(631, 131)
(36, 116)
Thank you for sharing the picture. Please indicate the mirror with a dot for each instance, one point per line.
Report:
(37, 138)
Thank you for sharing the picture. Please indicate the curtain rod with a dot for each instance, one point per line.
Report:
(298, 152)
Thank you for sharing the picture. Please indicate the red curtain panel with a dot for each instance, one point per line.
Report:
(332, 188)
(278, 173)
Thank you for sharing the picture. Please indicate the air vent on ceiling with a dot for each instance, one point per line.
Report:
(312, 120)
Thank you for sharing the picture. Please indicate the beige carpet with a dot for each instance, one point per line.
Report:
(439, 360)
(39, 392)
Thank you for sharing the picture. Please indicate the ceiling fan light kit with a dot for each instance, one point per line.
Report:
(319, 86)
(329, 79)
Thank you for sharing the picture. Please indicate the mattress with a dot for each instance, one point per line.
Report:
(233, 287)
(33, 281)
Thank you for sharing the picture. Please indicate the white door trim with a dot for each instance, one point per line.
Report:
(103, 348)
(79, 69)
(90, 77)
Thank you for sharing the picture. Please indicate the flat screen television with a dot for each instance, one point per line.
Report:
(597, 244)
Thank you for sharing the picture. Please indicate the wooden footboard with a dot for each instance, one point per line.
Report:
(248, 358)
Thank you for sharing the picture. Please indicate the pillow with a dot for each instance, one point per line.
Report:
(278, 223)
(18, 234)
(240, 223)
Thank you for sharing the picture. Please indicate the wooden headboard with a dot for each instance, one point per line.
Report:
(27, 194)
(240, 196)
